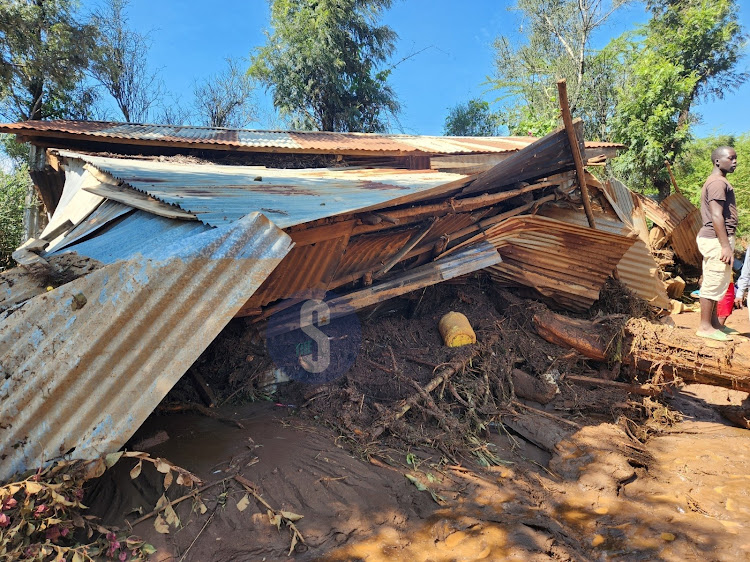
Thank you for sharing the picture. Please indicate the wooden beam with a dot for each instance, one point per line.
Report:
(470, 259)
(671, 177)
(575, 149)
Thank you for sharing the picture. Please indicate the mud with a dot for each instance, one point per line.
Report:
(594, 475)
(682, 496)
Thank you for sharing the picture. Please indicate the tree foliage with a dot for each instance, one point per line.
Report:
(688, 51)
(558, 36)
(223, 100)
(324, 63)
(120, 63)
(13, 189)
(472, 119)
(44, 52)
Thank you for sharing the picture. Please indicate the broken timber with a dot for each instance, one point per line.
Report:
(651, 348)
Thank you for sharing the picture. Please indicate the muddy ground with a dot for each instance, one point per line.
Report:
(625, 478)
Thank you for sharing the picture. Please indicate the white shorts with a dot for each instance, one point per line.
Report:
(716, 274)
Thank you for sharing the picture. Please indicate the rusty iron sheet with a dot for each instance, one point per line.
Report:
(681, 221)
(626, 206)
(320, 142)
(565, 262)
(86, 363)
(304, 269)
(221, 194)
(637, 269)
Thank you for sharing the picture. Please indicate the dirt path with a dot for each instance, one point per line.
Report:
(681, 497)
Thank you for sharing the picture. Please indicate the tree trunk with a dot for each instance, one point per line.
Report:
(652, 348)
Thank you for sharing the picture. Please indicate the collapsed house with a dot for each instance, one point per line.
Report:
(158, 236)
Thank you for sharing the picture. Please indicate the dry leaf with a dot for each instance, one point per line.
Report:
(168, 480)
(33, 487)
(162, 466)
(112, 458)
(243, 503)
(77, 557)
(136, 470)
(171, 516)
(95, 469)
(291, 516)
(274, 519)
(201, 506)
(294, 543)
(161, 526)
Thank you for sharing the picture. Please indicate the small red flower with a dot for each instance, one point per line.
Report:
(4, 520)
(9, 503)
(123, 556)
(40, 509)
(64, 531)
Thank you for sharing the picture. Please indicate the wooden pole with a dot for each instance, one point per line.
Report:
(562, 90)
(671, 177)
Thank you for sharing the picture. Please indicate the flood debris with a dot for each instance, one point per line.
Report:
(495, 288)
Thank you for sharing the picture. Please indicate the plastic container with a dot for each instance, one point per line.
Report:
(456, 331)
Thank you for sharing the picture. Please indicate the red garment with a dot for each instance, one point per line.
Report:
(726, 305)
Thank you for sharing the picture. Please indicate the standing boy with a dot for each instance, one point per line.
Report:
(716, 241)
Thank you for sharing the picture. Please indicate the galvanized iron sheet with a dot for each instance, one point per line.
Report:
(86, 363)
(283, 141)
(637, 269)
(133, 235)
(222, 194)
(564, 262)
(681, 220)
(104, 214)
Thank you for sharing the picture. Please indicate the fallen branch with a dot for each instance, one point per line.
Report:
(278, 516)
(393, 415)
(643, 390)
(172, 503)
(652, 348)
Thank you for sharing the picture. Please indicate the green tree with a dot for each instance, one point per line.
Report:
(325, 63)
(13, 189)
(556, 43)
(44, 52)
(688, 51)
(472, 119)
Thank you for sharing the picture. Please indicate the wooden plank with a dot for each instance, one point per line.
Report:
(549, 155)
(413, 241)
(307, 236)
(576, 150)
(138, 200)
(469, 260)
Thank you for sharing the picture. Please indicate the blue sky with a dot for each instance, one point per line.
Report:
(191, 39)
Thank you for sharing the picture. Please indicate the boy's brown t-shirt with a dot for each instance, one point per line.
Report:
(717, 188)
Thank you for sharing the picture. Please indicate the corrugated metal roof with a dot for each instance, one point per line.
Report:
(138, 233)
(282, 141)
(221, 194)
(637, 269)
(681, 220)
(555, 257)
(81, 378)
(104, 214)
